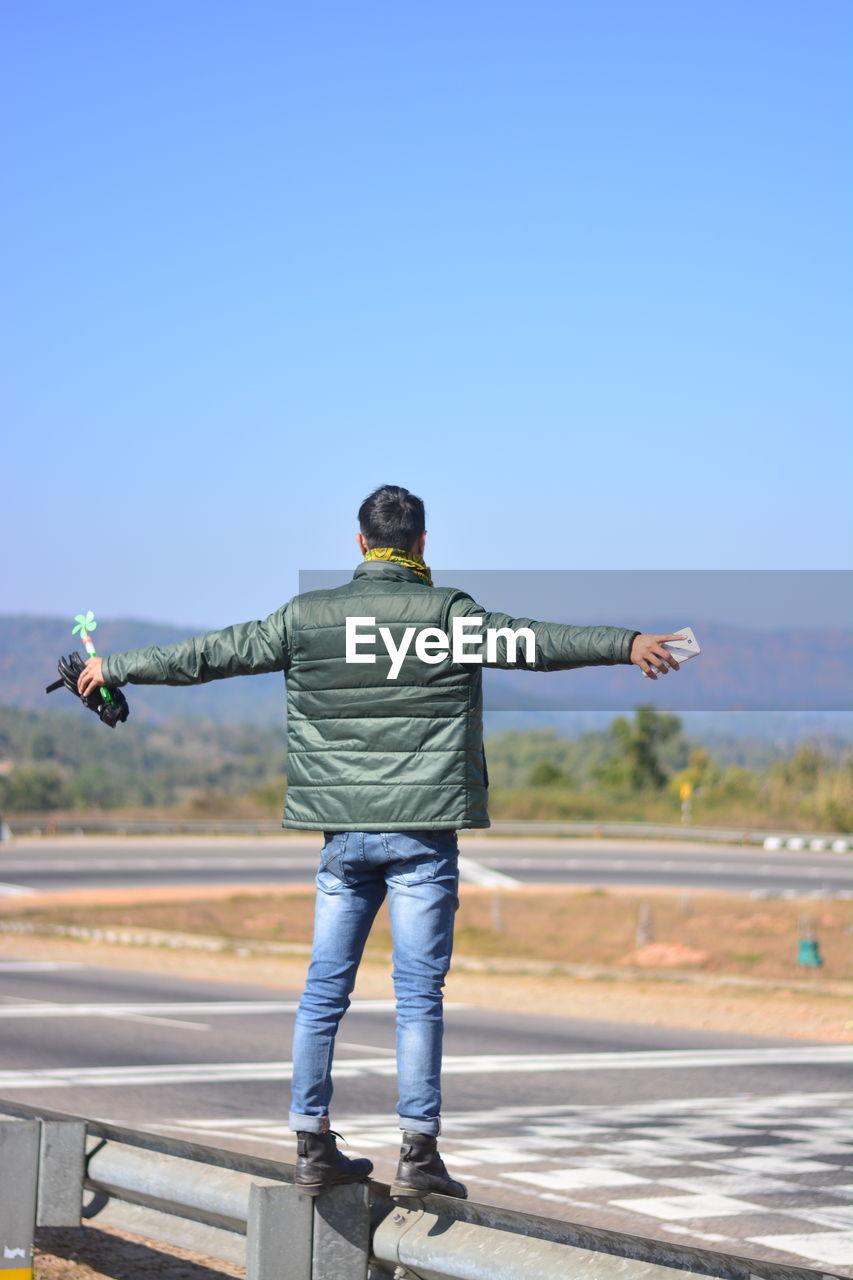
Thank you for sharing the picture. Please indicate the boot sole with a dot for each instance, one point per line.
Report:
(407, 1193)
(317, 1188)
(398, 1192)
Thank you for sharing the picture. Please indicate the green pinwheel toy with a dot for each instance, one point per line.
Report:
(110, 705)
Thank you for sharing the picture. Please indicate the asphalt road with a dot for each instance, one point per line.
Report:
(47, 863)
(734, 1141)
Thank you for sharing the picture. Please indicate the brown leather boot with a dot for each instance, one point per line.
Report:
(421, 1170)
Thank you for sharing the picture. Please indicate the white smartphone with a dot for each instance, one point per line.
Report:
(686, 647)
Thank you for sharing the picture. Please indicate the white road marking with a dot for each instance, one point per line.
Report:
(179, 1073)
(708, 1205)
(739, 868)
(224, 1122)
(163, 1022)
(471, 872)
(655, 1059)
(832, 1247)
(488, 1064)
(158, 864)
(29, 1008)
(780, 1162)
(579, 1179)
(214, 1129)
(371, 1048)
(37, 966)
(209, 1008)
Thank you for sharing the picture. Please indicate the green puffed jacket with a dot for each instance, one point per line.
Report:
(365, 752)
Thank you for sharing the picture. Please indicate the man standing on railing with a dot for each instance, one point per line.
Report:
(385, 756)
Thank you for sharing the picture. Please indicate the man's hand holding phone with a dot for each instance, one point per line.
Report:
(658, 655)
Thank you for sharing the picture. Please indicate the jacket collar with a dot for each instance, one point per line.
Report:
(386, 571)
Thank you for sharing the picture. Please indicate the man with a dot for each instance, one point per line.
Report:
(385, 756)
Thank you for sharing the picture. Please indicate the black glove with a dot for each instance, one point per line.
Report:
(111, 712)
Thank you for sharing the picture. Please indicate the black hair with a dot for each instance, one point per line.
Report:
(391, 517)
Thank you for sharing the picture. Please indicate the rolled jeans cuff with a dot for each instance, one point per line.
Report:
(308, 1124)
(430, 1127)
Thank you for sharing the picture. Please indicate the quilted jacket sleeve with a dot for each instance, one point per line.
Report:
(555, 646)
(247, 649)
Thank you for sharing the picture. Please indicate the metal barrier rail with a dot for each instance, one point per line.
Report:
(61, 1170)
(837, 841)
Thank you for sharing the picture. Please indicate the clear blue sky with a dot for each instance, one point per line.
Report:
(576, 273)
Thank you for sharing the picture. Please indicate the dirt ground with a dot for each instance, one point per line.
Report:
(83, 1253)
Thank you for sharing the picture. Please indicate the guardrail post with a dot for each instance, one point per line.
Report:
(19, 1162)
(279, 1233)
(60, 1174)
(341, 1248)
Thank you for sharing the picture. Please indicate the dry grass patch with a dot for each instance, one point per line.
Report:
(704, 932)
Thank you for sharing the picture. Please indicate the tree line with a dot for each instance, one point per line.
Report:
(637, 769)
(58, 760)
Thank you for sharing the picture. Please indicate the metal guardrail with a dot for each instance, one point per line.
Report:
(83, 825)
(245, 1209)
(812, 840)
(836, 841)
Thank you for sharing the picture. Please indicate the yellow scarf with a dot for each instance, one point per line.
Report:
(415, 563)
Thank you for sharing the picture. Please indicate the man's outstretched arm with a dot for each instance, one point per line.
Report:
(562, 647)
(249, 648)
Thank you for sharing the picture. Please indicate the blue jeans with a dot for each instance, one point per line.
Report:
(417, 870)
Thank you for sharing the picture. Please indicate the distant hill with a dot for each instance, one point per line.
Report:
(772, 670)
(780, 671)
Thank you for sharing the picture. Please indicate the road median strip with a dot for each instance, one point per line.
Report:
(514, 966)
